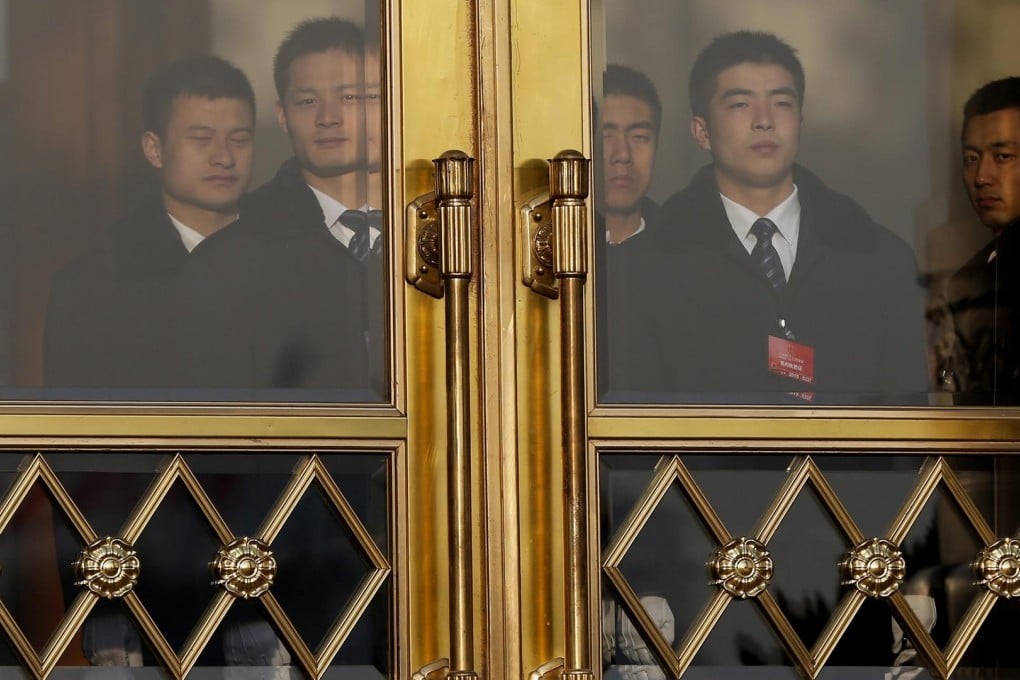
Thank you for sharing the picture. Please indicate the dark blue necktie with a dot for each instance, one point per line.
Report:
(764, 253)
(359, 221)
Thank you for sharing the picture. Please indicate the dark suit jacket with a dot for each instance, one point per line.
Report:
(102, 306)
(617, 268)
(984, 300)
(852, 295)
(278, 302)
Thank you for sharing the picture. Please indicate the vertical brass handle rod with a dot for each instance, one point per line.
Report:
(568, 182)
(454, 179)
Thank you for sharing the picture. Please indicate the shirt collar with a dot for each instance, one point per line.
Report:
(786, 217)
(331, 208)
(189, 237)
(641, 228)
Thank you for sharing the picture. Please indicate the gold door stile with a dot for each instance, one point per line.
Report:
(439, 113)
(549, 49)
(497, 351)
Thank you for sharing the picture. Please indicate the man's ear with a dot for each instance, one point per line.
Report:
(699, 130)
(152, 147)
(281, 117)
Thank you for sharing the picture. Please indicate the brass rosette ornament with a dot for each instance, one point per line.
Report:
(108, 567)
(742, 567)
(245, 567)
(997, 568)
(875, 567)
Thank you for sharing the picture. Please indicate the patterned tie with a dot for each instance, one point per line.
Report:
(764, 253)
(375, 219)
(361, 241)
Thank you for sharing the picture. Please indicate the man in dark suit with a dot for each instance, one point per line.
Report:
(984, 294)
(287, 289)
(104, 308)
(630, 116)
(771, 287)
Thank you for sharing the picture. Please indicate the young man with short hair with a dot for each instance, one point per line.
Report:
(771, 286)
(629, 117)
(984, 295)
(199, 119)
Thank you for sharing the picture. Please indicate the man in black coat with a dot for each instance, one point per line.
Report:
(109, 310)
(287, 288)
(984, 294)
(770, 287)
(630, 116)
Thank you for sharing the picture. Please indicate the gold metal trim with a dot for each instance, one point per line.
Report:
(109, 567)
(875, 567)
(548, 670)
(312, 471)
(245, 567)
(997, 568)
(435, 668)
(742, 567)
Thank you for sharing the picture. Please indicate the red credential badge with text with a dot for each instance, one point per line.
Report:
(793, 360)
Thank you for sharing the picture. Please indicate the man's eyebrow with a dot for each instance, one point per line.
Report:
(641, 125)
(783, 91)
(1003, 144)
(736, 92)
(198, 127)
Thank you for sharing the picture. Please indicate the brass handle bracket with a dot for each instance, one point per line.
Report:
(439, 668)
(438, 243)
(554, 242)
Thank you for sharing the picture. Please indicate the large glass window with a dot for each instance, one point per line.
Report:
(785, 213)
(182, 222)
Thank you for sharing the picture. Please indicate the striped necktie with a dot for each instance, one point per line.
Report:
(764, 253)
(361, 241)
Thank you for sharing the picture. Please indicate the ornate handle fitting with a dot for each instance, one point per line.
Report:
(108, 567)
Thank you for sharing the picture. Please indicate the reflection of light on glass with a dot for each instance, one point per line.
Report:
(3, 40)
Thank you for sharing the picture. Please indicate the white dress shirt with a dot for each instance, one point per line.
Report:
(189, 237)
(332, 209)
(641, 228)
(786, 217)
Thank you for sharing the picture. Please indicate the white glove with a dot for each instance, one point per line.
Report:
(620, 635)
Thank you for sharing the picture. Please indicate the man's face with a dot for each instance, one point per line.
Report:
(991, 170)
(205, 158)
(373, 111)
(323, 112)
(628, 144)
(753, 126)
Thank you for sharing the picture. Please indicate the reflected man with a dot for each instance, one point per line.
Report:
(984, 295)
(289, 307)
(630, 117)
(771, 286)
(104, 310)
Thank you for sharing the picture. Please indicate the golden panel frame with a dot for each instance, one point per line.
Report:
(310, 470)
(802, 472)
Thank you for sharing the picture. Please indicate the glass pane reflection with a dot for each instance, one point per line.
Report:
(169, 243)
(868, 283)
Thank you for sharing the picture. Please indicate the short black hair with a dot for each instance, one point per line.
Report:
(629, 82)
(991, 97)
(740, 47)
(311, 37)
(205, 76)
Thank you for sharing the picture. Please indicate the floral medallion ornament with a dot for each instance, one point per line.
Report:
(108, 567)
(998, 568)
(875, 567)
(245, 567)
(742, 567)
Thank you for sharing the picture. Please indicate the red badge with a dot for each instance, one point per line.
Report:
(792, 360)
